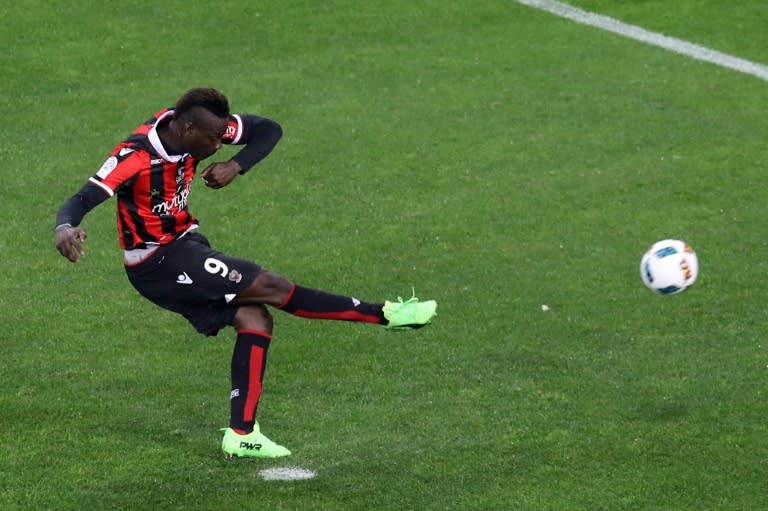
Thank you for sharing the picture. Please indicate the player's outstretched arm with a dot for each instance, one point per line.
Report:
(69, 237)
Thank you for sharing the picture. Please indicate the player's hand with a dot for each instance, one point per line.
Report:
(219, 175)
(69, 241)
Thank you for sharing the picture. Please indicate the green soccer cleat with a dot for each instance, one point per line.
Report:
(410, 313)
(252, 445)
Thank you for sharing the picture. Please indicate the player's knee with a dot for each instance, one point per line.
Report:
(253, 317)
(275, 282)
(269, 288)
(272, 288)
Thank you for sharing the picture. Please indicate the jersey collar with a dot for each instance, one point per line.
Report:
(157, 145)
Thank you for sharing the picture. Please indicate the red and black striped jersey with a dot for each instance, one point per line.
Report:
(152, 187)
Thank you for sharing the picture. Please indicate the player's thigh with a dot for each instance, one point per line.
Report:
(211, 276)
(191, 272)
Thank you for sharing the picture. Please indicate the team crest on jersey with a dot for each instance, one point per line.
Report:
(231, 132)
(235, 276)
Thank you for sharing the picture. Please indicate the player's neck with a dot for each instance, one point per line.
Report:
(168, 137)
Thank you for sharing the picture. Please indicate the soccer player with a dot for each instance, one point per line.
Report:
(171, 264)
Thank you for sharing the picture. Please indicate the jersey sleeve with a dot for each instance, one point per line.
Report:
(122, 165)
(259, 135)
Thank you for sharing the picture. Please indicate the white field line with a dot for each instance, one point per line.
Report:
(692, 50)
(286, 474)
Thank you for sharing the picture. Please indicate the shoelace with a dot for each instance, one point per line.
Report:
(409, 300)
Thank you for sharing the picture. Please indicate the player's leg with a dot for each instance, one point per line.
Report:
(273, 289)
(253, 324)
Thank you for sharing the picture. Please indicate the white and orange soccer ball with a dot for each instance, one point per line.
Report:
(669, 267)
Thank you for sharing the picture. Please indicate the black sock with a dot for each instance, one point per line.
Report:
(316, 304)
(249, 360)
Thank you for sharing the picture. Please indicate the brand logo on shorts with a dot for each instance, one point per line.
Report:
(183, 278)
(235, 393)
(235, 276)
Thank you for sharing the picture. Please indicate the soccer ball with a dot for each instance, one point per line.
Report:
(669, 267)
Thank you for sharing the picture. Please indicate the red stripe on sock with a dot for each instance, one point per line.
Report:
(288, 298)
(344, 316)
(254, 383)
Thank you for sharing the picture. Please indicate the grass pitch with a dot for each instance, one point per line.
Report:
(493, 156)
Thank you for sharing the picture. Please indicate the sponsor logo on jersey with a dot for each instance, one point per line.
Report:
(177, 203)
(235, 276)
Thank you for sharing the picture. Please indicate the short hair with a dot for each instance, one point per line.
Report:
(207, 98)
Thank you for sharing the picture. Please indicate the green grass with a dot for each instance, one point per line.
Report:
(493, 156)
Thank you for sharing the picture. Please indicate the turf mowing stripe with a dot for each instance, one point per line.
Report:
(692, 50)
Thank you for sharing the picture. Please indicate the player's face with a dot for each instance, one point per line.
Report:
(202, 136)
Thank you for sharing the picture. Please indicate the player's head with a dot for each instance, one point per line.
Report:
(201, 115)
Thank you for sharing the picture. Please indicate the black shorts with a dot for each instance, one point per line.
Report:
(190, 278)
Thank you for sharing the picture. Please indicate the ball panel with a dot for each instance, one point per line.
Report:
(670, 290)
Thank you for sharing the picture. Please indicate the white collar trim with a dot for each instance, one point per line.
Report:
(157, 145)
